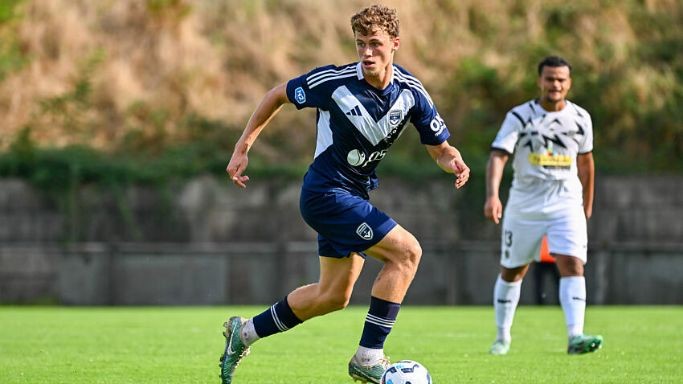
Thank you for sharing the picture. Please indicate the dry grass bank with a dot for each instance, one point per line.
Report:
(112, 73)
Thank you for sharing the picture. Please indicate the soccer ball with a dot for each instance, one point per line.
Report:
(406, 372)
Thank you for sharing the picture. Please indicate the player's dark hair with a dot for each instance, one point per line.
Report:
(553, 61)
(376, 16)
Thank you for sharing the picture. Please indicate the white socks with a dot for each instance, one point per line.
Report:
(572, 298)
(248, 333)
(573, 301)
(369, 356)
(505, 300)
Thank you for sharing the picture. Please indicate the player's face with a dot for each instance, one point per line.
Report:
(376, 51)
(555, 83)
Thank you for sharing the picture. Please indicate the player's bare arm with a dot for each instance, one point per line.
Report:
(493, 208)
(270, 105)
(586, 170)
(450, 160)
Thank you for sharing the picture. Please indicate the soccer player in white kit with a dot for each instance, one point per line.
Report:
(551, 141)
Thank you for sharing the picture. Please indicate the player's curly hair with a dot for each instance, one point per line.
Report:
(375, 16)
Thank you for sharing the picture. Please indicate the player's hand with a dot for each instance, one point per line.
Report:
(238, 163)
(461, 171)
(493, 209)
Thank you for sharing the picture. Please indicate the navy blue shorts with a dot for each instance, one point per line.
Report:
(345, 222)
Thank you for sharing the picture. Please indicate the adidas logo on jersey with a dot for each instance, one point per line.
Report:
(355, 111)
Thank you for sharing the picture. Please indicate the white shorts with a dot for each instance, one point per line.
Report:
(522, 234)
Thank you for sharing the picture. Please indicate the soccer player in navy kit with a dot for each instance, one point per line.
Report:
(362, 108)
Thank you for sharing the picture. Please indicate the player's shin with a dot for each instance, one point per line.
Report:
(505, 300)
(378, 323)
(573, 301)
(369, 362)
(277, 318)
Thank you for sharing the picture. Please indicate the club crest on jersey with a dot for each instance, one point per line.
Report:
(300, 95)
(364, 231)
(395, 117)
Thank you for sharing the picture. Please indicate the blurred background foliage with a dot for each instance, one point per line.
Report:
(133, 91)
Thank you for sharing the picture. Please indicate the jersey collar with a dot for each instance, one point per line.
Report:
(359, 73)
(538, 102)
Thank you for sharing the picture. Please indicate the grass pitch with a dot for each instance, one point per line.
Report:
(182, 345)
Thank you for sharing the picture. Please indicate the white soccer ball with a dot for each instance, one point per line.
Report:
(406, 372)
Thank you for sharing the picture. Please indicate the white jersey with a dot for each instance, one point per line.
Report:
(545, 146)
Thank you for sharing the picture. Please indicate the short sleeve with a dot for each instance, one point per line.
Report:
(587, 144)
(507, 136)
(430, 126)
(303, 96)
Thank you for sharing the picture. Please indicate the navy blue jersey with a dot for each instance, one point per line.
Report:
(357, 123)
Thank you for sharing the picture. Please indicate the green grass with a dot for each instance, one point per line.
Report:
(182, 345)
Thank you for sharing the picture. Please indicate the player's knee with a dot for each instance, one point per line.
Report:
(569, 265)
(411, 253)
(572, 270)
(414, 254)
(334, 301)
(512, 275)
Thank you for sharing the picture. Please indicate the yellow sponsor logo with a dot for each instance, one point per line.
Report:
(547, 160)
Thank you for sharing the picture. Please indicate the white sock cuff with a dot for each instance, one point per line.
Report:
(570, 279)
(507, 283)
(248, 334)
(369, 356)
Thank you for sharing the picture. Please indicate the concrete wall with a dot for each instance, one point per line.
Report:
(206, 242)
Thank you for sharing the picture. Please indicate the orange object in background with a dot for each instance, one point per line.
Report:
(545, 252)
(545, 266)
